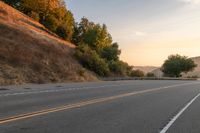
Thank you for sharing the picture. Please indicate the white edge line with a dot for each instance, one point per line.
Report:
(165, 129)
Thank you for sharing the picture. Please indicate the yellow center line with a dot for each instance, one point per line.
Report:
(80, 104)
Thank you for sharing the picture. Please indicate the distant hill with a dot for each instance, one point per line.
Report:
(195, 72)
(145, 69)
(29, 53)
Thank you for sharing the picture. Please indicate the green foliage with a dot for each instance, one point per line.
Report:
(80, 30)
(176, 64)
(65, 28)
(120, 68)
(111, 52)
(137, 73)
(51, 13)
(150, 74)
(97, 38)
(91, 60)
(13, 3)
(94, 35)
(51, 23)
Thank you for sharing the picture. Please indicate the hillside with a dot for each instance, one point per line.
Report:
(195, 72)
(145, 69)
(29, 53)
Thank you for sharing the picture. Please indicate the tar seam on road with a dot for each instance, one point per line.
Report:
(80, 104)
(165, 129)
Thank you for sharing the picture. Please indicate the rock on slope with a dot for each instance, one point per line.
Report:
(29, 53)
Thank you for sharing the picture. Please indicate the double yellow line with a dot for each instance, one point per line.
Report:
(78, 105)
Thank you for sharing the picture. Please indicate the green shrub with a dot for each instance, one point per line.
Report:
(137, 73)
(150, 74)
(91, 60)
(120, 68)
(51, 23)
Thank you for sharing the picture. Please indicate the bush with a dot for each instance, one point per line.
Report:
(34, 15)
(51, 23)
(137, 73)
(120, 68)
(194, 76)
(81, 72)
(61, 31)
(150, 74)
(91, 60)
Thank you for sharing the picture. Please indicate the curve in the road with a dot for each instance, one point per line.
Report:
(84, 103)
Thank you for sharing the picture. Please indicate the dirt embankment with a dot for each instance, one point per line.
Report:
(29, 53)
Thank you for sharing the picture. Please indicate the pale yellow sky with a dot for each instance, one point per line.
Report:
(175, 33)
(154, 54)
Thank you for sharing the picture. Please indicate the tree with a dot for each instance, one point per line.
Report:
(120, 68)
(13, 3)
(42, 7)
(97, 38)
(91, 60)
(111, 52)
(65, 28)
(53, 14)
(176, 64)
(80, 29)
(94, 35)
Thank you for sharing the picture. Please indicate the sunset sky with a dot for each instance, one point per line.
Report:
(146, 30)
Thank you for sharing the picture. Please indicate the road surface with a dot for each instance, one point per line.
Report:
(102, 107)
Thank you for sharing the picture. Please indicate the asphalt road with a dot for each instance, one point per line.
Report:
(103, 107)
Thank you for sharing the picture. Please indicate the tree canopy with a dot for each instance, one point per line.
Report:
(53, 14)
(176, 64)
(98, 39)
(95, 35)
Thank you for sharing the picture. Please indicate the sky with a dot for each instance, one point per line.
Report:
(148, 31)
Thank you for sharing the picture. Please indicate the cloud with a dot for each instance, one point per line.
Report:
(140, 33)
(194, 2)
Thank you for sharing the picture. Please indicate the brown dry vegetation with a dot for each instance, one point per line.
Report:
(29, 53)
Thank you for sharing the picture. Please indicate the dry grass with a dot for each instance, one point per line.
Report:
(29, 53)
